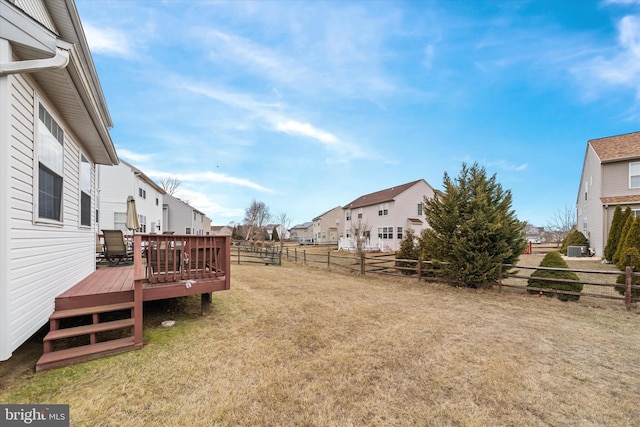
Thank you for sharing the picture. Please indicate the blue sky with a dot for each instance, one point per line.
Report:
(308, 105)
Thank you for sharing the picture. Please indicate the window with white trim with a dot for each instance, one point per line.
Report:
(348, 215)
(419, 209)
(360, 213)
(385, 232)
(634, 175)
(142, 219)
(383, 209)
(120, 221)
(50, 146)
(85, 191)
(399, 233)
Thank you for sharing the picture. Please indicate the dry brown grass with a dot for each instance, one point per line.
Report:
(300, 346)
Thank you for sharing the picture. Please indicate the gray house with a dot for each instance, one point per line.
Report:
(610, 177)
(182, 218)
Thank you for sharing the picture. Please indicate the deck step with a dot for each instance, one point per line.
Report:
(62, 314)
(84, 353)
(88, 329)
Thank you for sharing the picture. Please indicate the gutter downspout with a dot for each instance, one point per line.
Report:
(59, 61)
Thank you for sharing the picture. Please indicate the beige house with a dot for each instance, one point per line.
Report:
(610, 177)
(326, 227)
(303, 232)
(384, 216)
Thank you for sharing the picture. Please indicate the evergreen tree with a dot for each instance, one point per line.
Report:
(473, 230)
(631, 239)
(408, 250)
(554, 260)
(619, 218)
(623, 236)
(632, 255)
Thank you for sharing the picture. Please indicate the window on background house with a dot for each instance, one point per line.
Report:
(187, 231)
(586, 191)
(634, 175)
(419, 209)
(50, 146)
(360, 213)
(85, 191)
(157, 201)
(348, 215)
(635, 212)
(142, 219)
(399, 233)
(383, 209)
(585, 226)
(120, 221)
(142, 189)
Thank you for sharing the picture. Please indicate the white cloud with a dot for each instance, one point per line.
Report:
(108, 41)
(508, 166)
(134, 158)
(211, 177)
(305, 129)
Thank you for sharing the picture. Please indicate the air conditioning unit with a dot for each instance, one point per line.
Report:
(576, 251)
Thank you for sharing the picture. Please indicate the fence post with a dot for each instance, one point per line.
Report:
(419, 267)
(329, 260)
(238, 255)
(295, 255)
(304, 257)
(627, 292)
(500, 278)
(362, 269)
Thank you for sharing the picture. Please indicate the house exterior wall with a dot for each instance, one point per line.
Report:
(41, 258)
(182, 218)
(387, 230)
(116, 183)
(609, 179)
(589, 207)
(44, 259)
(327, 227)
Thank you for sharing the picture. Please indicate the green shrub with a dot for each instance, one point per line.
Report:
(554, 260)
(575, 238)
(632, 255)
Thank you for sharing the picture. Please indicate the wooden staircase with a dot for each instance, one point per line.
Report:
(101, 322)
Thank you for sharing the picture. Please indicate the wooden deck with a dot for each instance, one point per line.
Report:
(164, 267)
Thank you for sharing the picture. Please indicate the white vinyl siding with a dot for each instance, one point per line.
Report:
(37, 10)
(43, 261)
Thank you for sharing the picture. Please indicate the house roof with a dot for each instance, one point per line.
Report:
(75, 90)
(619, 200)
(616, 148)
(324, 213)
(381, 196)
(304, 225)
(144, 177)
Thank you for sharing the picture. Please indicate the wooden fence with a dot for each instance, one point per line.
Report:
(596, 283)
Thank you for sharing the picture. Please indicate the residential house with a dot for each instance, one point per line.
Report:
(54, 130)
(384, 216)
(279, 228)
(302, 232)
(116, 184)
(221, 230)
(182, 218)
(326, 227)
(610, 177)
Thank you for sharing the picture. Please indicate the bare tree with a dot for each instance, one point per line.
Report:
(285, 222)
(170, 185)
(360, 231)
(561, 224)
(256, 217)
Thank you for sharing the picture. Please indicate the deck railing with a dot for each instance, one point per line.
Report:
(166, 258)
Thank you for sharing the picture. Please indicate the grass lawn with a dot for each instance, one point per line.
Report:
(303, 346)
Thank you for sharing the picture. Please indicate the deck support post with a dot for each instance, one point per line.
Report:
(205, 303)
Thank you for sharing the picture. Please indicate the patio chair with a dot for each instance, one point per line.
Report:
(115, 248)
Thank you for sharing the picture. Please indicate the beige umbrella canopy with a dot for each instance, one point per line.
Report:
(132, 214)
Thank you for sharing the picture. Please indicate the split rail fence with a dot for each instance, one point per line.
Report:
(596, 283)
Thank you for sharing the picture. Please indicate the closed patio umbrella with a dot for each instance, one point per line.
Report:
(132, 214)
